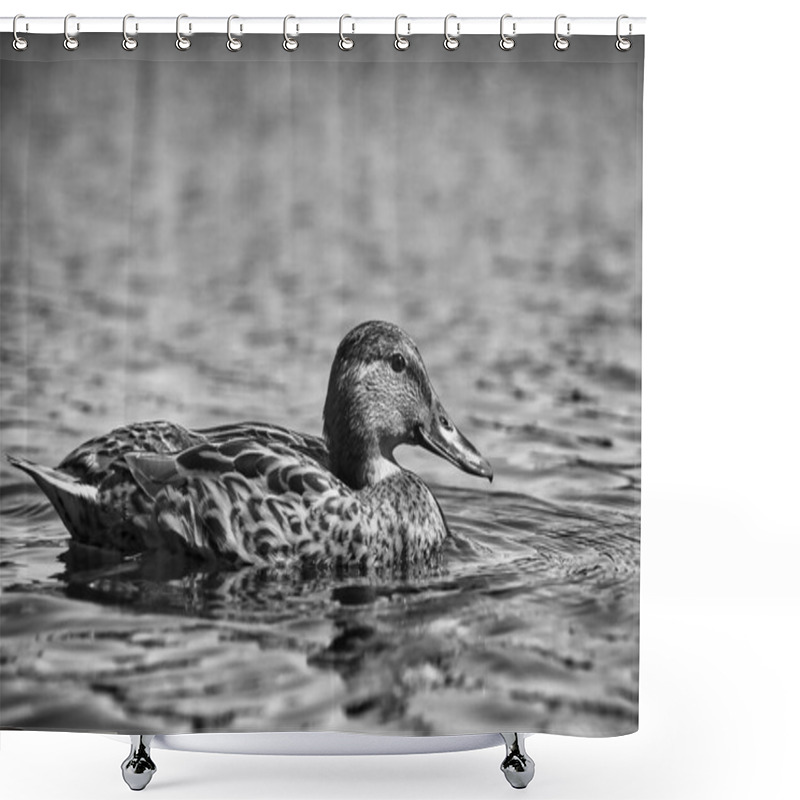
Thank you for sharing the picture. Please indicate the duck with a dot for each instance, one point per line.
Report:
(259, 493)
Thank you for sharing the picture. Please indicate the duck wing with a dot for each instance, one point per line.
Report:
(244, 492)
(268, 435)
(94, 460)
(243, 501)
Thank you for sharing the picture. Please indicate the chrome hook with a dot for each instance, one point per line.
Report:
(401, 42)
(70, 42)
(290, 43)
(507, 42)
(19, 43)
(561, 42)
(182, 42)
(451, 42)
(128, 42)
(233, 44)
(622, 44)
(346, 43)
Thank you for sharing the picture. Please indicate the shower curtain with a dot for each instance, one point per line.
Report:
(431, 257)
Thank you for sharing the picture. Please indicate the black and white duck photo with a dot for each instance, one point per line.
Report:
(320, 403)
(254, 493)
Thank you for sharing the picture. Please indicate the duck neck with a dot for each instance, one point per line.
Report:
(359, 462)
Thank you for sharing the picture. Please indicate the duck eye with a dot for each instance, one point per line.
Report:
(398, 362)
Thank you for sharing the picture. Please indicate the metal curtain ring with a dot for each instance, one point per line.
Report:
(233, 44)
(561, 43)
(290, 43)
(401, 42)
(128, 42)
(451, 42)
(507, 42)
(70, 42)
(181, 42)
(345, 43)
(19, 43)
(622, 44)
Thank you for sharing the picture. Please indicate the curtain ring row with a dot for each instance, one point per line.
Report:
(292, 41)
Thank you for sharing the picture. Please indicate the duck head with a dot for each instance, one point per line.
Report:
(379, 397)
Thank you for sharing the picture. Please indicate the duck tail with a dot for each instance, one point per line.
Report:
(75, 502)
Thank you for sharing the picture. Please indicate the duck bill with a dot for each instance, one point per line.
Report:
(440, 436)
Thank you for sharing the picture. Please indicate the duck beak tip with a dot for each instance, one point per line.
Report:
(449, 443)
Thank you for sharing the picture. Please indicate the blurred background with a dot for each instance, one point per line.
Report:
(192, 240)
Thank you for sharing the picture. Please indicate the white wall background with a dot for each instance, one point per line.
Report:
(720, 704)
